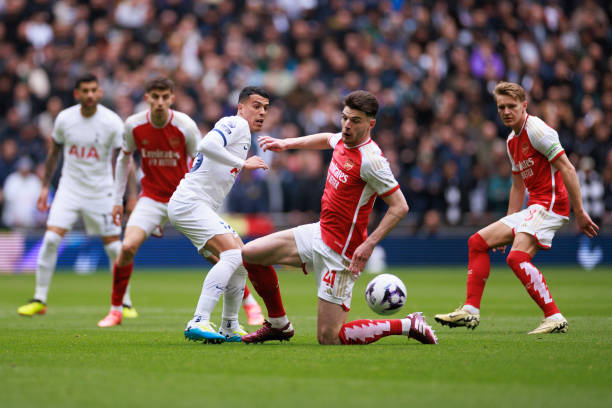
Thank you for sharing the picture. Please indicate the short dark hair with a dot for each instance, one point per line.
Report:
(160, 84)
(89, 77)
(252, 90)
(362, 101)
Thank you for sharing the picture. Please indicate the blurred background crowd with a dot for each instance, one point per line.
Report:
(432, 64)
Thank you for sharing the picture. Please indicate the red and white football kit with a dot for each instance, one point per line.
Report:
(356, 175)
(532, 153)
(164, 152)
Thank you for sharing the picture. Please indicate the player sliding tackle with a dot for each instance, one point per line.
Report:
(336, 248)
(222, 154)
(539, 165)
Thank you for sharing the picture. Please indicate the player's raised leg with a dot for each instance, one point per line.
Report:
(519, 259)
(258, 255)
(493, 236)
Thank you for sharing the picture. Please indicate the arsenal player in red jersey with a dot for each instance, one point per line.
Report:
(165, 139)
(540, 167)
(336, 248)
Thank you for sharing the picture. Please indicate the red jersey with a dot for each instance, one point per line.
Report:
(355, 177)
(532, 153)
(164, 151)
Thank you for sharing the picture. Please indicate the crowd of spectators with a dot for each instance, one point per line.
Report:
(431, 64)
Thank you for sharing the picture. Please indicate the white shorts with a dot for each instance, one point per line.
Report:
(537, 221)
(198, 222)
(97, 213)
(334, 281)
(149, 215)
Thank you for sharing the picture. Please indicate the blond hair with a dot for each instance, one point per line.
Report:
(510, 89)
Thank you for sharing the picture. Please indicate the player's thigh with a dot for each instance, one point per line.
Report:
(148, 215)
(133, 238)
(277, 248)
(497, 234)
(330, 318)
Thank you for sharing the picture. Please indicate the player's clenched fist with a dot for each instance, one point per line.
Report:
(254, 162)
(42, 204)
(117, 214)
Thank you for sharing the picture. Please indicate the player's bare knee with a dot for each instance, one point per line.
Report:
(128, 250)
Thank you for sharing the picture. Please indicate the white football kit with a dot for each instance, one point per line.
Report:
(194, 205)
(85, 186)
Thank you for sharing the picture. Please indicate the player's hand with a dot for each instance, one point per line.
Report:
(254, 162)
(270, 143)
(117, 214)
(42, 204)
(360, 258)
(586, 224)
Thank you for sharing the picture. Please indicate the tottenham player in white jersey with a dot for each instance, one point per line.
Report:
(88, 134)
(222, 154)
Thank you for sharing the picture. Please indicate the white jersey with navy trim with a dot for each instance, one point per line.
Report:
(209, 180)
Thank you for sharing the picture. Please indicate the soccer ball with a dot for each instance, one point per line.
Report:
(385, 294)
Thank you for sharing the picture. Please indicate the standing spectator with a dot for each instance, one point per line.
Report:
(21, 190)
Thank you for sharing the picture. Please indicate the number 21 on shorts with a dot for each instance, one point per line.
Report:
(329, 278)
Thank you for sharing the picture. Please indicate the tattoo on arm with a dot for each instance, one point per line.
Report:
(51, 163)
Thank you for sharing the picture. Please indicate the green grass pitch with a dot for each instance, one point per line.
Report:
(63, 360)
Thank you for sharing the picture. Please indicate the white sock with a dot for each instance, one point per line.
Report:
(471, 309)
(406, 325)
(112, 251)
(278, 322)
(229, 325)
(216, 281)
(234, 292)
(556, 316)
(45, 266)
(117, 308)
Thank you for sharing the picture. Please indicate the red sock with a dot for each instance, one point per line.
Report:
(534, 281)
(367, 331)
(121, 278)
(247, 292)
(265, 283)
(479, 266)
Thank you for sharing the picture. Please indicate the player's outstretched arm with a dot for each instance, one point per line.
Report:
(50, 166)
(317, 141)
(568, 174)
(398, 208)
